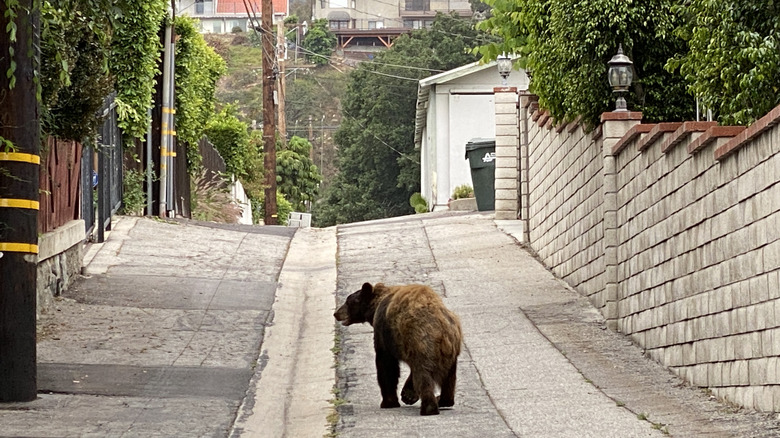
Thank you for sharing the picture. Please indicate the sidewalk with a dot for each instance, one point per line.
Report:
(538, 359)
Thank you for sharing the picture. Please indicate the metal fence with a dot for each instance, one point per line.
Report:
(101, 174)
(87, 187)
(214, 167)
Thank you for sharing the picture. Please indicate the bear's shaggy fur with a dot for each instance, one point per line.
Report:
(410, 324)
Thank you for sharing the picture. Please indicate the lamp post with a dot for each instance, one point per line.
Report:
(620, 75)
(504, 68)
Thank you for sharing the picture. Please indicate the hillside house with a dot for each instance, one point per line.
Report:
(222, 16)
(370, 25)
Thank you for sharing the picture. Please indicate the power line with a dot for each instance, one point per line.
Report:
(354, 119)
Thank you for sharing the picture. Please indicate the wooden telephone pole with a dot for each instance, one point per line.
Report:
(269, 110)
(19, 184)
(281, 59)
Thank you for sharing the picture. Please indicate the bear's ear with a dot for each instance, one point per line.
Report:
(367, 289)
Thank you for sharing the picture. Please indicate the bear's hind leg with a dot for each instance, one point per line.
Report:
(408, 394)
(387, 373)
(423, 383)
(447, 398)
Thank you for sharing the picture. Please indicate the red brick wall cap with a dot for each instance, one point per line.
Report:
(656, 133)
(621, 115)
(753, 131)
(634, 132)
(713, 134)
(686, 129)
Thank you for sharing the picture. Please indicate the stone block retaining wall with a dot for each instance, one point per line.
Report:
(673, 231)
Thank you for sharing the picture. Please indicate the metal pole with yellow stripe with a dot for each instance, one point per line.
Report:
(19, 185)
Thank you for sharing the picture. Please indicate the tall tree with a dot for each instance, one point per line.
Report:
(733, 59)
(319, 42)
(378, 166)
(296, 174)
(566, 44)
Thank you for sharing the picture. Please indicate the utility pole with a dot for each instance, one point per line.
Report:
(269, 124)
(280, 43)
(311, 138)
(167, 131)
(19, 184)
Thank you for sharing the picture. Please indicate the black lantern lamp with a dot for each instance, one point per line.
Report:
(620, 75)
(504, 68)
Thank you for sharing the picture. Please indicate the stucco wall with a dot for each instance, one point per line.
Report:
(695, 215)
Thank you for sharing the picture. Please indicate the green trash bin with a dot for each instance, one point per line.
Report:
(481, 153)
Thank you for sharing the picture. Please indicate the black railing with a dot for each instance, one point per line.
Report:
(101, 181)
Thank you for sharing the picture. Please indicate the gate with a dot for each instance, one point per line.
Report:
(101, 174)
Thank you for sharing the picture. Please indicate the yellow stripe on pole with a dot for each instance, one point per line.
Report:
(19, 203)
(169, 132)
(169, 110)
(18, 247)
(20, 157)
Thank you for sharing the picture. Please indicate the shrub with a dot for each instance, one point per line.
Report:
(419, 203)
(463, 191)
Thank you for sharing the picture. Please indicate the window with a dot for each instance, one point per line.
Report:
(204, 7)
(418, 24)
(418, 5)
(338, 24)
(376, 24)
(339, 3)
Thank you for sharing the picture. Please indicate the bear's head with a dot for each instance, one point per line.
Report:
(359, 307)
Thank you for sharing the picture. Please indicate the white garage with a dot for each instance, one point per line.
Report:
(452, 108)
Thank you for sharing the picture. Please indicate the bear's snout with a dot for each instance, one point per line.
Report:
(342, 315)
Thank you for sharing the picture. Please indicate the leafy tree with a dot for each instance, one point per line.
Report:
(296, 175)
(479, 6)
(230, 137)
(379, 169)
(733, 61)
(135, 52)
(75, 49)
(198, 68)
(566, 45)
(319, 42)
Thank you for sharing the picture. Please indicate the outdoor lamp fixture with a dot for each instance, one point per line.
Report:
(504, 68)
(620, 75)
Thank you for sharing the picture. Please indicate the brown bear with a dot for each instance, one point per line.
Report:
(412, 325)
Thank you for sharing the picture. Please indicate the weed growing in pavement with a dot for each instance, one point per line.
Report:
(336, 401)
(333, 416)
(662, 427)
(336, 349)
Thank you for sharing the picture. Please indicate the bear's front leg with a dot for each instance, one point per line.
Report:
(387, 373)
